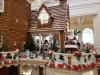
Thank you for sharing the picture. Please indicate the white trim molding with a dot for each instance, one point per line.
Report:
(77, 7)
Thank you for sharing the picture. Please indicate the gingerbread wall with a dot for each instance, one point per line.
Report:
(15, 22)
(62, 35)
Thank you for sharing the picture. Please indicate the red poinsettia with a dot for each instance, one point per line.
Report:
(47, 63)
(6, 62)
(52, 65)
(79, 67)
(78, 55)
(60, 65)
(92, 65)
(13, 61)
(68, 67)
(85, 66)
(2, 57)
(88, 65)
(97, 60)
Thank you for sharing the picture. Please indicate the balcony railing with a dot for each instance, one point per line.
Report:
(86, 58)
(8, 58)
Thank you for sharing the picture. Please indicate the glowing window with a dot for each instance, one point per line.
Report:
(87, 35)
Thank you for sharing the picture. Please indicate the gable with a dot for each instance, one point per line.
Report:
(60, 19)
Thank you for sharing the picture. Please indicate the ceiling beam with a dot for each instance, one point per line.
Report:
(80, 20)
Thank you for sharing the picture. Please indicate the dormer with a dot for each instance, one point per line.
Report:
(44, 17)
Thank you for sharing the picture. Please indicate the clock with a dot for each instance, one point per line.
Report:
(1, 5)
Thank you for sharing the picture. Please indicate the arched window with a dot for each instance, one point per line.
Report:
(87, 35)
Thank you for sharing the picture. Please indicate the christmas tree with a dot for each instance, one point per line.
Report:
(54, 45)
(41, 50)
(31, 44)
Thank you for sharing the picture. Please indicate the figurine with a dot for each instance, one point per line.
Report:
(31, 55)
(53, 59)
(71, 35)
(44, 55)
(36, 55)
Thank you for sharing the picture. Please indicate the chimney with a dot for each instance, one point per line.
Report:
(62, 2)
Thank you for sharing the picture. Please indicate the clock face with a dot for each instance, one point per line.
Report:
(1, 5)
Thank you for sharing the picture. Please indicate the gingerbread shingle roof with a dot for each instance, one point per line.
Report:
(60, 19)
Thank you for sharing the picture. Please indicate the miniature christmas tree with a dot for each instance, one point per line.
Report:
(41, 50)
(31, 44)
(54, 45)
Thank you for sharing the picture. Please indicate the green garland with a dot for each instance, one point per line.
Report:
(76, 31)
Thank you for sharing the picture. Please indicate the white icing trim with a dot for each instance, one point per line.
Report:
(70, 46)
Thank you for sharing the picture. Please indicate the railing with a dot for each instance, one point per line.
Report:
(8, 57)
(86, 58)
(11, 53)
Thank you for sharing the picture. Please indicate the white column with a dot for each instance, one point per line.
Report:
(40, 40)
(96, 27)
(80, 37)
(49, 38)
(44, 71)
(20, 69)
(39, 2)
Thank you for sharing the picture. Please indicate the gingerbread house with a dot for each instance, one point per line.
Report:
(48, 21)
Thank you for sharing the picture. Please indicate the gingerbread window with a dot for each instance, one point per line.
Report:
(44, 17)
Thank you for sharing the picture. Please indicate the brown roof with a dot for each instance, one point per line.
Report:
(59, 14)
